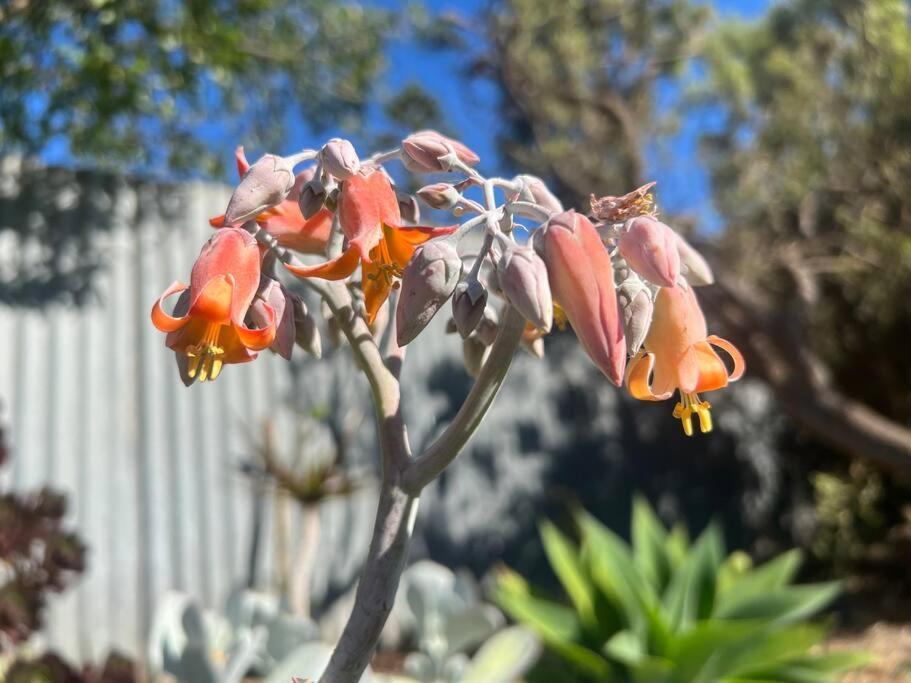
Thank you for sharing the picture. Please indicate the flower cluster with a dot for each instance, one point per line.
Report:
(622, 279)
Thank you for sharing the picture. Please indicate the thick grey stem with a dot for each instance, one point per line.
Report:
(397, 507)
(377, 586)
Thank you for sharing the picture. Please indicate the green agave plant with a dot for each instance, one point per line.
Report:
(663, 610)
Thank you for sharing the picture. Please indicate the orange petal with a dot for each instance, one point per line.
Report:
(336, 269)
(739, 364)
(688, 370)
(260, 338)
(376, 288)
(161, 320)
(290, 229)
(712, 373)
(637, 379)
(214, 300)
(402, 241)
(241, 160)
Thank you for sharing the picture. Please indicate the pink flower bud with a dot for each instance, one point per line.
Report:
(650, 249)
(340, 159)
(696, 269)
(439, 196)
(523, 278)
(306, 331)
(273, 294)
(421, 152)
(427, 282)
(535, 190)
(265, 184)
(468, 304)
(312, 197)
(582, 281)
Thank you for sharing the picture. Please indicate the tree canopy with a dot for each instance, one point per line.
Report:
(147, 84)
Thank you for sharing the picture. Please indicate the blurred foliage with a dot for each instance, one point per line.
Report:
(812, 166)
(863, 526)
(665, 609)
(39, 556)
(140, 82)
(51, 668)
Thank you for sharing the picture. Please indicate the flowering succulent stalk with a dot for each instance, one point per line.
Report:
(512, 295)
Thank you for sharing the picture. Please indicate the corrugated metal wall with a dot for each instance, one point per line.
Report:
(95, 407)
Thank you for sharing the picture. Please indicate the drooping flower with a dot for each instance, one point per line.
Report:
(207, 329)
(582, 282)
(523, 279)
(284, 221)
(678, 355)
(369, 215)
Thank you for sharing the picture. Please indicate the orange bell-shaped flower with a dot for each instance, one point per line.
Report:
(370, 219)
(207, 326)
(678, 355)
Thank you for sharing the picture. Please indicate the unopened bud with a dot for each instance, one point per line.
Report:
(468, 303)
(408, 207)
(523, 279)
(650, 249)
(421, 152)
(265, 184)
(312, 198)
(439, 196)
(273, 294)
(488, 326)
(474, 354)
(427, 282)
(697, 270)
(535, 190)
(306, 331)
(533, 345)
(636, 308)
(340, 159)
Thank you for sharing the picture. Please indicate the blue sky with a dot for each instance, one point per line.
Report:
(471, 111)
(682, 183)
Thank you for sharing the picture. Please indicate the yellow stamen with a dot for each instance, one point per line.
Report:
(388, 269)
(205, 359)
(559, 317)
(690, 404)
